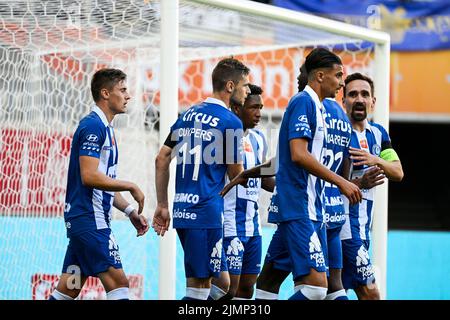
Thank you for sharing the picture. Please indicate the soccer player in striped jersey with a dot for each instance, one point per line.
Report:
(370, 146)
(207, 141)
(242, 229)
(277, 265)
(92, 191)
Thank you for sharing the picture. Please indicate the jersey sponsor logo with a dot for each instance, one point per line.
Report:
(338, 124)
(303, 118)
(182, 214)
(235, 247)
(364, 268)
(233, 257)
(334, 218)
(363, 257)
(273, 208)
(186, 198)
(216, 256)
(68, 225)
(315, 250)
(334, 201)
(114, 249)
(92, 137)
(204, 118)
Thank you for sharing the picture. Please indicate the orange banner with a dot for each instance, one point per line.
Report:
(420, 82)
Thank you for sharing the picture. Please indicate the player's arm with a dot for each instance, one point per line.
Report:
(138, 221)
(303, 158)
(388, 161)
(264, 170)
(92, 178)
(161, 218)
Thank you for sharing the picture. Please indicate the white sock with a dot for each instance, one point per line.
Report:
(216, 293)
(197, 293)
(60, 296)
(312, 292)
(238, 298)
(118, 294)
(265, 295)
(336, 294)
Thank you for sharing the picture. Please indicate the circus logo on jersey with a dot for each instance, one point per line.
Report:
(376, 149)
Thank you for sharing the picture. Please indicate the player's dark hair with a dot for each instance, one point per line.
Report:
(254, 90)
(302, 78)
(105, 78)
(228, 69)
(321, 58)
(358, 76)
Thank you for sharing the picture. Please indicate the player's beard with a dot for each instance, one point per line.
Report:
(235, 102)
(361, 115)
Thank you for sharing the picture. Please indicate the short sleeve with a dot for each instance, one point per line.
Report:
(91, 139)
(300, 121)
(385, 139)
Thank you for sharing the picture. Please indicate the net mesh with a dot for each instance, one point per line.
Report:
(49, 51)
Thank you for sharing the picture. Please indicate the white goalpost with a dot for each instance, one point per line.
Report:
(49, 51)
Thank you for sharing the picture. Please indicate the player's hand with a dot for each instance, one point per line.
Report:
(139, 222)
(351, 191)
(161, 220)
(373, 177)
(138, 195)
(361, 157)
(239, 179)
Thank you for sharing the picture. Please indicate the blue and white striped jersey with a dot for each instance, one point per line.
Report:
(86, 208)
(339, 132)
(373, 139)
(298, 194)
(241, 215)
(208, 137)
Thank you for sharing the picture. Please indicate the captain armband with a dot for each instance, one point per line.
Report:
(389, 155)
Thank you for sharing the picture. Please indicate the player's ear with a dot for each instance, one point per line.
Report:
(319, 76)
(229, 86)
(104, 93)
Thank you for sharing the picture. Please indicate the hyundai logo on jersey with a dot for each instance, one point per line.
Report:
(92, 138)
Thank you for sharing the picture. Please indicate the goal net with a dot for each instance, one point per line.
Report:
(49, 51)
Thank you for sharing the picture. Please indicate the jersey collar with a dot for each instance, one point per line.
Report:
(102, 115)
(367, 126)
(216, 101)
(314, 96)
